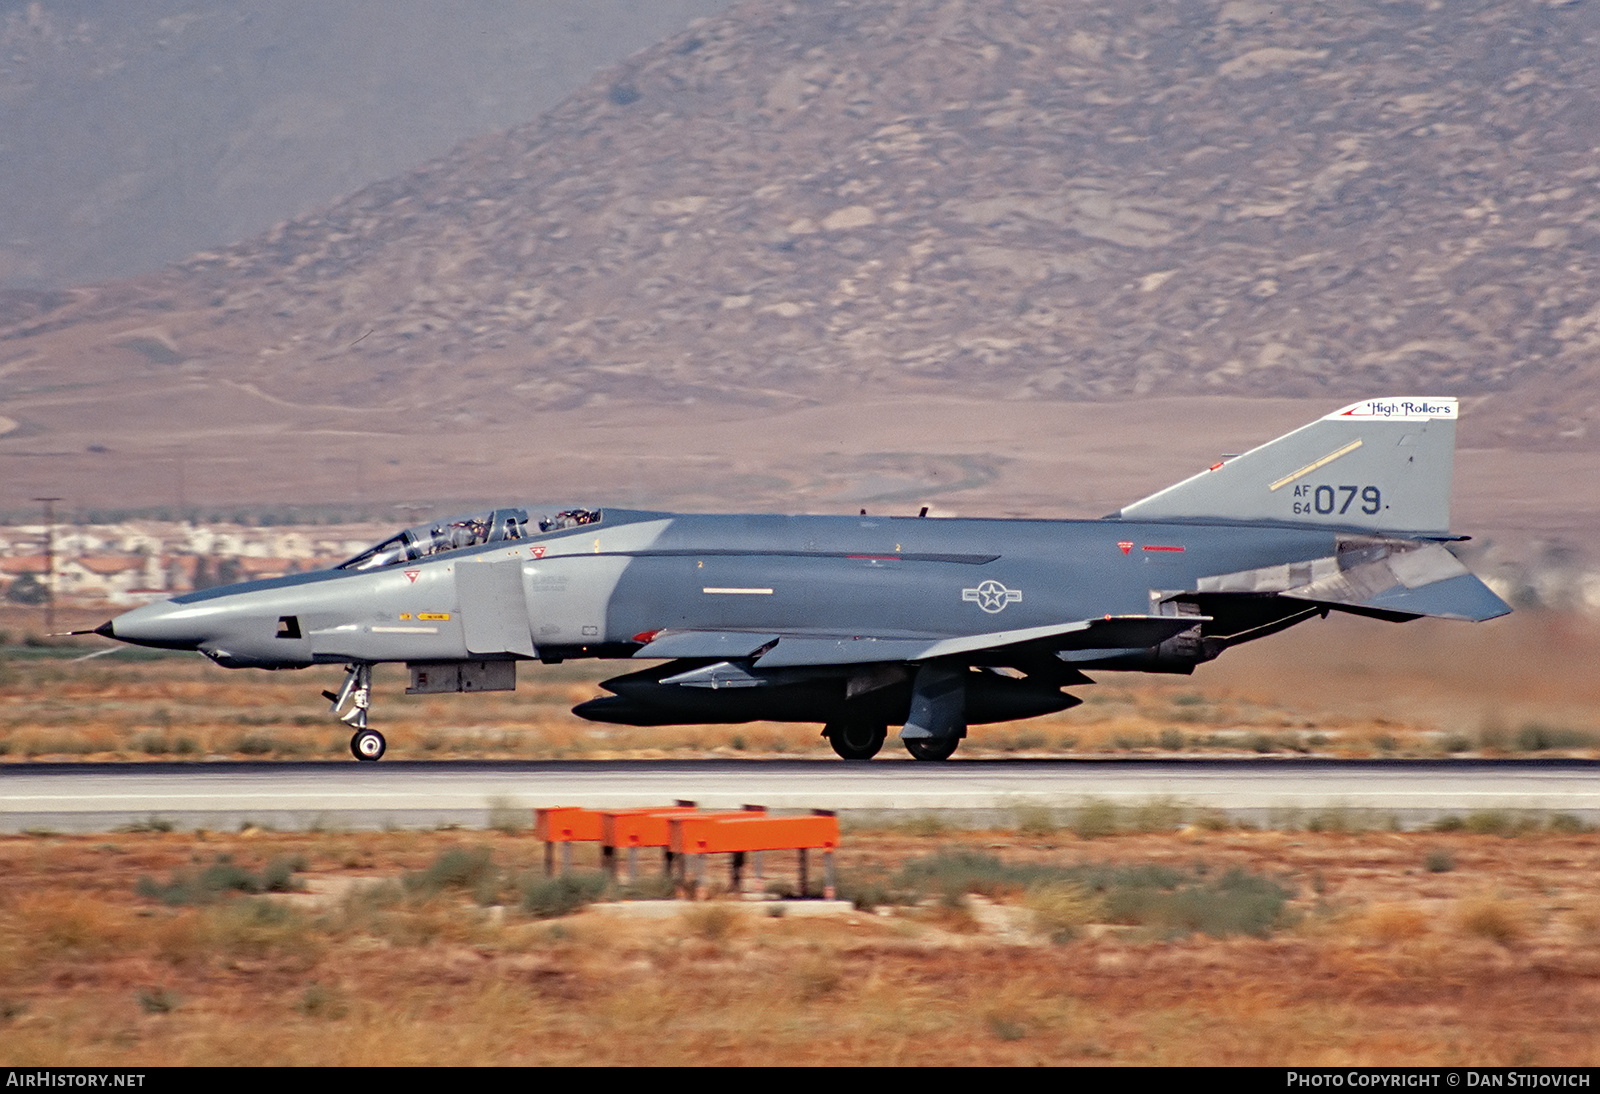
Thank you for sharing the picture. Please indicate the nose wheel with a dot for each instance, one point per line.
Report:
(367, 745)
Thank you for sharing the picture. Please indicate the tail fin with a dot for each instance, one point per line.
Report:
(1377, 465)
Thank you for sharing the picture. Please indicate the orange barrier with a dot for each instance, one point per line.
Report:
(633, 829)
(681, 830)
(566, 825)
(737, 835)
(613, 828)
(702, 834)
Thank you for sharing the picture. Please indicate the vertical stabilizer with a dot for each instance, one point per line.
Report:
(1377, 465)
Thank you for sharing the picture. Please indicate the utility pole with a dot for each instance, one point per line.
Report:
(49, 563)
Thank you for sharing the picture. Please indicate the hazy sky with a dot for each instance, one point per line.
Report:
(132, 135)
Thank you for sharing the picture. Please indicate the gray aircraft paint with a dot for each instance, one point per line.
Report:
(934, 623)
(493, 607)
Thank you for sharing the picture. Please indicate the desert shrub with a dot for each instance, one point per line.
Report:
(1569, 824)
(817, 977)
(1036, 820)
(713, 921)
(257, 927)
(1494, 918)
(1537, 737)
(1333, 819)
(1263, 742)
(1394, 922)
(1061, 909)
(1439, 861)
(467, 869)
(866, 889)
(1156, 815)
(151, 744)
(1095, 818)
(1006, 1026)
(660, 886)
(319, 1001)
(151, 823)
(157, 1001)
(223, 876)
(953, 873)
(507, 817)
(926, 825)
(1236, 903)
(1165, 899)
(563, 894)
(1491, 822)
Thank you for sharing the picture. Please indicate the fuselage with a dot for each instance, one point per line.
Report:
(605, 589)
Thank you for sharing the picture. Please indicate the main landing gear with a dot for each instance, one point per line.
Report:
(856, 738)
(862, 739)
(932, 748)
(366, 744)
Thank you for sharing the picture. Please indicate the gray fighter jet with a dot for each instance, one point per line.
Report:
(862, 623)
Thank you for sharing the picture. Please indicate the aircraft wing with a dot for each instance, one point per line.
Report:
(1103, 636)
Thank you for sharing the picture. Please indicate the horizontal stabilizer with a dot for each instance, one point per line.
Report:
(1410, 577)
(1461, 597)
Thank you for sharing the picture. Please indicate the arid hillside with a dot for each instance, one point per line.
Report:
(815, 205)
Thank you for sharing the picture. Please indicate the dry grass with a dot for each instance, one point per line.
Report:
(1492, 916)
(1381, 962)
(1388, 923)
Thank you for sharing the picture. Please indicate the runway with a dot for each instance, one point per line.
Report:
(473, 794)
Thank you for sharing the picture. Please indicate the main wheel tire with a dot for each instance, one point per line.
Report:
(854, 739)
(368, 745)
(932, 748)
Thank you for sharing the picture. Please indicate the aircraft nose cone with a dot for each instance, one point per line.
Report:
(164, 625)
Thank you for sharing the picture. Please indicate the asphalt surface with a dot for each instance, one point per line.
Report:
(477, 794)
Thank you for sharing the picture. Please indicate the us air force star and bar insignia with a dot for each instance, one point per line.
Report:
(991, 596)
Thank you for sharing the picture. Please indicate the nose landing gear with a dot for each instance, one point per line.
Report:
(366, 744)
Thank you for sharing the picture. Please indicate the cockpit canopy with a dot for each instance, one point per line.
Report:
(474, 530)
